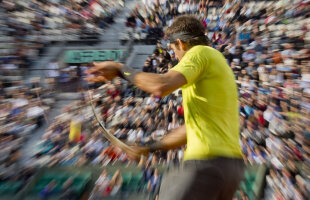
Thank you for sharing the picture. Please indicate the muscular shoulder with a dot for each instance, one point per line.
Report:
(200, 50)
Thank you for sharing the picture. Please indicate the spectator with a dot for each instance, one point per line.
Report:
(154, 181)
(68, 192)
(101, 185)
(48, 190)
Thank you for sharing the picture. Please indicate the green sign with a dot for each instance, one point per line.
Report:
(89, 56)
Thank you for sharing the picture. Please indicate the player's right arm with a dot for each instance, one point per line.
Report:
(157, 84)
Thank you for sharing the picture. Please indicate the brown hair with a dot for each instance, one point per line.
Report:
(189, 24)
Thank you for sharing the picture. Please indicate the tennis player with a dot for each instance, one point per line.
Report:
(213, 165)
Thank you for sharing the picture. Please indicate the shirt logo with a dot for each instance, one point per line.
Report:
(127, 73)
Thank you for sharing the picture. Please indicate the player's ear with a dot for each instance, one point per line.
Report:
(177, 44)
(182, 45)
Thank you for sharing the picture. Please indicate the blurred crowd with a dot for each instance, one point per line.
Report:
(266, 43)
(23, 108)
(27, 27)
(75, 138)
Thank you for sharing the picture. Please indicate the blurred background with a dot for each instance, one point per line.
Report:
(51, 144)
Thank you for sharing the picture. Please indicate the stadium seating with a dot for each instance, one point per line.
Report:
(80, 180)
(9, 188)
